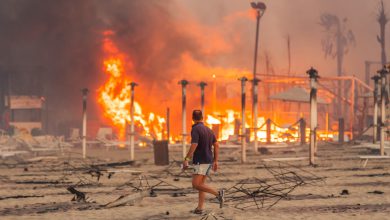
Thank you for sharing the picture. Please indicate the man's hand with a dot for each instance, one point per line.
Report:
(215, 166)
(185, 164)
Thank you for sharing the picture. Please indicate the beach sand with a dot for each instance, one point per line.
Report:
(44, 183)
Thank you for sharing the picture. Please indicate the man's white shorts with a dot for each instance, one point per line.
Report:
(202, 169)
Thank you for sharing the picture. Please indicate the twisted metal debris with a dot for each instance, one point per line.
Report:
(265, 193)
(154, 185)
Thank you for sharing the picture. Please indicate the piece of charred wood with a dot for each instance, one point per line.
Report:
(95, 172)
(116, 164)
(78, 196)
(20, 197)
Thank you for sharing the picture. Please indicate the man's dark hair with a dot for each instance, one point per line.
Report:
(197, 115)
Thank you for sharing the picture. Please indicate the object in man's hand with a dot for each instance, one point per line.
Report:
(183, 167)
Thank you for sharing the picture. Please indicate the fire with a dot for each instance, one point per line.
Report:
(212, 121)
(114, 95)
(226, 123)
(230, 128)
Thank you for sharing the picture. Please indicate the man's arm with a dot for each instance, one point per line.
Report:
(191, 151)
(190, 154)
(194, 144)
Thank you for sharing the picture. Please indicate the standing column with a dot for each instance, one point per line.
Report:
(243, 130)
(375, 119)
(341, 130)
(183, 84)
(131, 133)
(302, 129)
(260, 8)
(202, 85)
(383, 73)
(268, 128)
(255, 113)
(84, 135)
(313, 75)
(352, 109)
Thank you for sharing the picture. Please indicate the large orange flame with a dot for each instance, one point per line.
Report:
(114, 95)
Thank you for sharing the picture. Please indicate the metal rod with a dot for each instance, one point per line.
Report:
(382, 130)
(327, 122)
(184, 83)
(341, 130)
(302, 128)
(131, 133)
(260, 9)
(255, 113)
(383, 73)
(268, 122)
(243, 130)
(352, 116)
(202, 86)
(383, 117)
(375, 120)
(84, 134)
(313, 74)
(254, 86)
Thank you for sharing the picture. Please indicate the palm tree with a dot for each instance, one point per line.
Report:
(382, 20)
(338, 38)
(336, 44)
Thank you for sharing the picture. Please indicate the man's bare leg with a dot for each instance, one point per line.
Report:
(202, 196)
(198, 183)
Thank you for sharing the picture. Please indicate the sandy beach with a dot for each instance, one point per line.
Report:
(37, 189)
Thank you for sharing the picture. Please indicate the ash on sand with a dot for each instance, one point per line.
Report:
(37, 188)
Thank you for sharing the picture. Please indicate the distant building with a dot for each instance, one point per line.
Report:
(21, 98)
(25, 112)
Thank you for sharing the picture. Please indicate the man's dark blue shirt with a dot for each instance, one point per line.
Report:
(205, 138)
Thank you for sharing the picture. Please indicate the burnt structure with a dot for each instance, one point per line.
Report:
(22, 99)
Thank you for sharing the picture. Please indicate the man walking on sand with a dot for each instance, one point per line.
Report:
(203, 159)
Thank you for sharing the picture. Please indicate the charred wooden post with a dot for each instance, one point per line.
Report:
(184, 84)
(84, 135)
(384, 98)
(131, 130)
(243, 130)
(302, 129)
(313, 75)
(341, 130)
(202, 86)
(268, 124)
(255, 113)
(375, 119)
